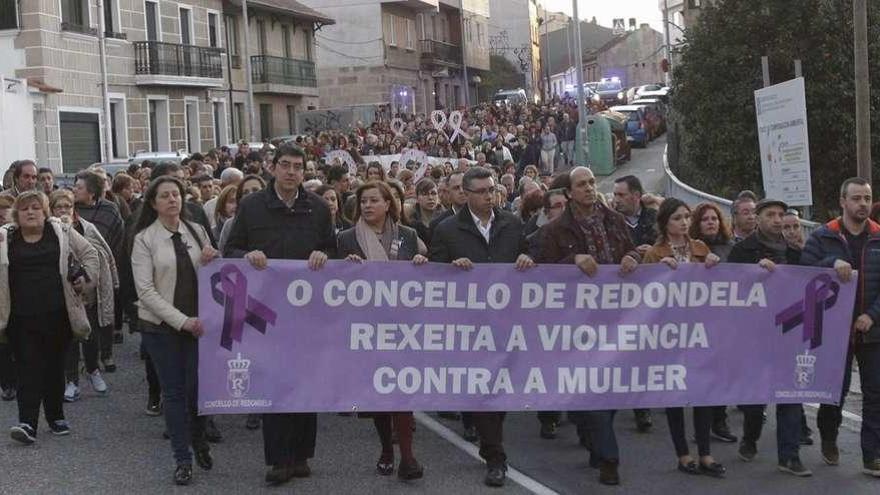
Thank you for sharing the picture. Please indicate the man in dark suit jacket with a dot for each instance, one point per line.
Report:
(479, 233)
(458, 200)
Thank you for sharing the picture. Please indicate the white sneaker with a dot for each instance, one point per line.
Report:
(97, 381)
(71, 392)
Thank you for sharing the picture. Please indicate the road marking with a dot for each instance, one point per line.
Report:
(855, 418)
(651, 170)
(518, 477)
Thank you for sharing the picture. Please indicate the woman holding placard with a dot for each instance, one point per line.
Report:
(675, 246)
(378, 236)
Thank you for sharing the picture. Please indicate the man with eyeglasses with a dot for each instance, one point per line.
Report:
(481, 233)
(284, 221)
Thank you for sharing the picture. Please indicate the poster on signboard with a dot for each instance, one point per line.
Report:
(784, 142)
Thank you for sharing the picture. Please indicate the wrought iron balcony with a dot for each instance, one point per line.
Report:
(440, 52)
(283, 71)
(156, 62)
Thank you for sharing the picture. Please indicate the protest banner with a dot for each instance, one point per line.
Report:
(393, 336)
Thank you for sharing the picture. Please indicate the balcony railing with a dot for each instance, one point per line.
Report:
(433, 50)
(171, 59)
(279, 70)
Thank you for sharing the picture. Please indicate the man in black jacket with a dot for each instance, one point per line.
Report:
(284, 221)
(457, 200)
(766, 246)
(479, 233)
(852, 242)
(642, 223)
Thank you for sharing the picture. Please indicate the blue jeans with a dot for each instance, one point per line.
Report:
(176, 358)
(830, 416)
(788, 428)
(599, 425)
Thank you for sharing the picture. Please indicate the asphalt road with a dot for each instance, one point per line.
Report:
(115, 448)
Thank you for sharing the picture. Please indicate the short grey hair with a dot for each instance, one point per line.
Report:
(230, 175)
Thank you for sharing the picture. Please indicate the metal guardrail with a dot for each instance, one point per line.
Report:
(172, 59)
(675, 188)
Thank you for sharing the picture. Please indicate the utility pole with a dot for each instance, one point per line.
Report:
(249, 75)
(863, 90)
(464, 61)
(668, 41)
(581, 137)
(105, 91)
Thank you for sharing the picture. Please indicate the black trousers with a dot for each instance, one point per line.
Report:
(7, 367)
(490, 427)
(39, 345)
(702, 424)
(289, 437)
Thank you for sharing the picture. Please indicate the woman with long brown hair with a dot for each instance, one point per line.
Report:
(710, 226)
(378, 236)
(675, 246)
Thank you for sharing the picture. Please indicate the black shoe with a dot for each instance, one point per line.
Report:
(644, 423)
(109, 365)
(689, 468)
(183, 475)
(450, 415)
(548, 430)
(279, 474)
(301, 469)
(23, 433)
(212, 434)
(253, 422)
(154, 407)
(59, 427)
(608, 474)
(204, 459)
(806, 440)
(410, 471)
(495, 476)
(747, 451)
(385, 466)
(794, 466)
(721, 431)
(470, 434)
(715, 470)
(8, 394)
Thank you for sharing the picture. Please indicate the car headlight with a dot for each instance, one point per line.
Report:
(620, 95)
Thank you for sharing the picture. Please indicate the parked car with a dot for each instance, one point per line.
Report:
(158, 156)
(255, 146)
(510, 97)
(112, 168)
(636, 124)
(610, 92)
(655, 112)
(658, 91)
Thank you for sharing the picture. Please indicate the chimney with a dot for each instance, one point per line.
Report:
(644, 25)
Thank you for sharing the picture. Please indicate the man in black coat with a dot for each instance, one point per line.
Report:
(852, 242)
(284, 221)
(479, 233)
(766, 246)
(457, 198)
(642, 223)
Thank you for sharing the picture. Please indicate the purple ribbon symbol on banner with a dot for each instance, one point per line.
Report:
(229, 289)
(820, 294)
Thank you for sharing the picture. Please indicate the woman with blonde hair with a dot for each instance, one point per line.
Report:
(44, 266)
(99, 300)
(226, 206)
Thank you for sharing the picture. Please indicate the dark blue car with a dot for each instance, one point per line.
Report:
(636, 124)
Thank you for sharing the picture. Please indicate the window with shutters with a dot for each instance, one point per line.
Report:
(75, 16)
(388, 29)
(8, 14)
(410, 34)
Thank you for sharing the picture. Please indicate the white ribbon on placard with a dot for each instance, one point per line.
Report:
(454, 121)
(344, 157)
(398, 125)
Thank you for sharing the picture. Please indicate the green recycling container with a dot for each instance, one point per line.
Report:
(600, 145)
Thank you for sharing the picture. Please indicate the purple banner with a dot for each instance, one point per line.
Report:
(393, 336)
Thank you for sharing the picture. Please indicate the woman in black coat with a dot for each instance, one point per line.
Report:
(378, 236)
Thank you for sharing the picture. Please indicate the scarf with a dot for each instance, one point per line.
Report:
(377, 247)
(777, 245)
